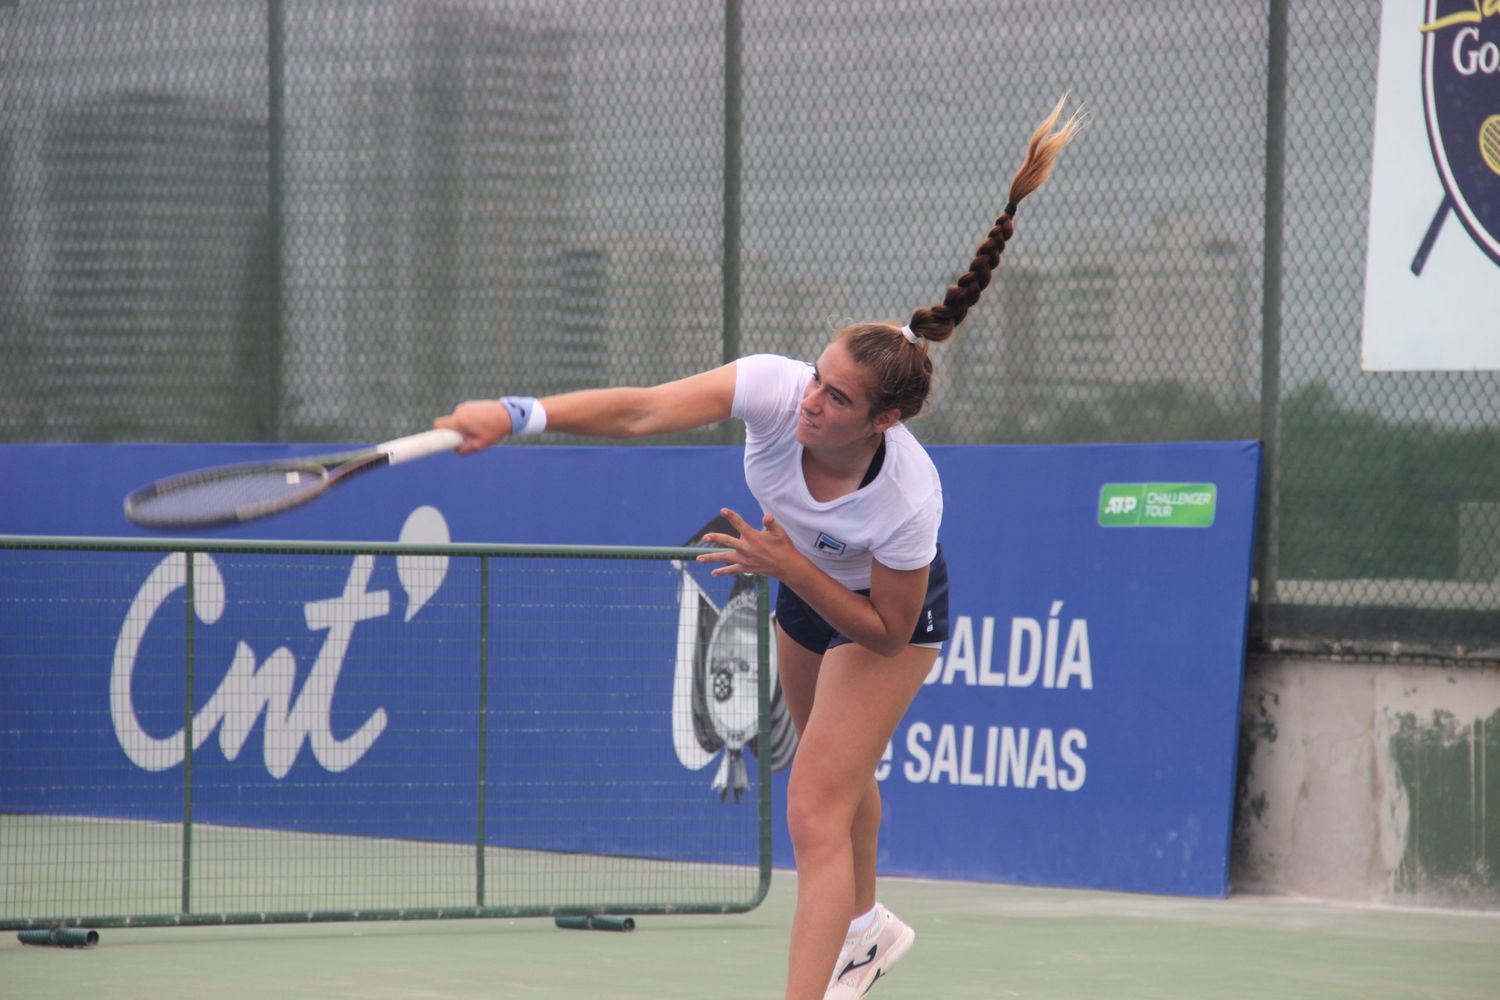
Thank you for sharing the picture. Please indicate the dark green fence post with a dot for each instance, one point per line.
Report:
(764, 752)
(1270, 309)
(275, 157)
(187, 735)
(484, 739)
(732, 130)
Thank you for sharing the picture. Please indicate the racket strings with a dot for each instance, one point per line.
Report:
(227, 495)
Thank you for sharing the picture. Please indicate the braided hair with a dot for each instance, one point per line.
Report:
(902, 369)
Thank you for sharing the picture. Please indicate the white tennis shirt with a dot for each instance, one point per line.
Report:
(893, 519)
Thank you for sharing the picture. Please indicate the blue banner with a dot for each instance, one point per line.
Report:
(1079, 728)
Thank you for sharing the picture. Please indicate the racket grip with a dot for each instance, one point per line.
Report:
(420, 445)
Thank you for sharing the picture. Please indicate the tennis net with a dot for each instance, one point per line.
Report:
(200, 731)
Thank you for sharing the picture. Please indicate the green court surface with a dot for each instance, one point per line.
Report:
(974, 941)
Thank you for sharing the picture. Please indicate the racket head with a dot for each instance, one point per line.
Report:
(228, 494)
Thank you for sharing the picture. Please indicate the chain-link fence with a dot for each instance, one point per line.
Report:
(251, 219)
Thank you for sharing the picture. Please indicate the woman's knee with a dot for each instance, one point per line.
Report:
(817, 821)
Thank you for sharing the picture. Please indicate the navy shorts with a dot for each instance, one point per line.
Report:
(808, 629)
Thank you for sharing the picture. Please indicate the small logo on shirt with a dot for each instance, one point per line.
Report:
(827, 543)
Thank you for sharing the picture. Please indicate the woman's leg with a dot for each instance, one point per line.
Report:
(797, 669)
(865, 839)
(858, 699)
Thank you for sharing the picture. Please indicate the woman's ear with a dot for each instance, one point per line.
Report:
(886, 419)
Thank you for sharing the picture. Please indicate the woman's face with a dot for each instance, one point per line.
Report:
(835, 408)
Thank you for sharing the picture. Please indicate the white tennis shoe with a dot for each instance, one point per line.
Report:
(869, 955)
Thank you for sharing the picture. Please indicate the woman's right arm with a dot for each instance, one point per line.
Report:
(695, 401)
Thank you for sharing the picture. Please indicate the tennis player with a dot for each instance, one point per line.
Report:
(851, 506)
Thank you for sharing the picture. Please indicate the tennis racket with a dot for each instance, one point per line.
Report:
(228, 494)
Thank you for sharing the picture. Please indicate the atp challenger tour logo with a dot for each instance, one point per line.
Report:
(1157, 505)
(1461, 100)
(253, 688)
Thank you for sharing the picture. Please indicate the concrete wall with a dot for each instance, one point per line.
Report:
(1369, 781)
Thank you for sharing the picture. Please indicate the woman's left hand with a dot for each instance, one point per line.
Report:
(768, 553)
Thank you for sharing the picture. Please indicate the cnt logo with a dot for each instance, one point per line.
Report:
(251, 689)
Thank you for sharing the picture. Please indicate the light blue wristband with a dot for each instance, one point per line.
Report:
(527, 416)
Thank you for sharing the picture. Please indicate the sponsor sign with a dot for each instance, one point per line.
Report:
(1079, 727)
(1157, 505)
(1432, 271)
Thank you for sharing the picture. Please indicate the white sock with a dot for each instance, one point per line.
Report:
(862, 923)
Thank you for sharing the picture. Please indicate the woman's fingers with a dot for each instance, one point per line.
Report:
(752, 551)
